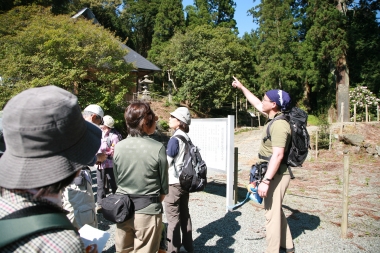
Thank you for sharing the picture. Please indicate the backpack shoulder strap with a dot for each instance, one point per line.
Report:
(282, 116)
(13, 228)
(182, 138)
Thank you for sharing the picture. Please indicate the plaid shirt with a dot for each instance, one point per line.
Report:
(55, 240)
(108, 163)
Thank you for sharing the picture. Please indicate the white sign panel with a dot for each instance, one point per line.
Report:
(210, 135)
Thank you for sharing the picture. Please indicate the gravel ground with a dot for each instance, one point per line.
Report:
(243, 230)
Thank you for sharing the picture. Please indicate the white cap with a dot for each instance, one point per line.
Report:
(182, 114)
(95, 109)
(108, 121)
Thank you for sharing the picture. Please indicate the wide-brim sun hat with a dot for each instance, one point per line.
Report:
(47, 138)
(182, 114)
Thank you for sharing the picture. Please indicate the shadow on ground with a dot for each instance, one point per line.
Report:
(219, 188)
(224, 228)
(300, 222)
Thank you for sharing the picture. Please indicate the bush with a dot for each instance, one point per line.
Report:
(361, 96)
(312, 120)
(163, 125)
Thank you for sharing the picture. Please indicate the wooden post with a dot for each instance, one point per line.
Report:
(316, 145)
(354, 114)
(341, 117)
(236, 176)
(366, 113)
(330, 139)
(346, 173)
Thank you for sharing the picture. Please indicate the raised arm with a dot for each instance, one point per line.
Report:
(253, 100)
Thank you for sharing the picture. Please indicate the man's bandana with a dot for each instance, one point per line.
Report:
(281, 98)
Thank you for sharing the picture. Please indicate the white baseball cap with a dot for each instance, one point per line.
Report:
(95, 109)
(182, 114)
(108, 121)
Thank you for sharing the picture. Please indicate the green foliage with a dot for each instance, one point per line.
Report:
(163, 125)
(312, 120)
(364, 40)
(203, 62)
(39, 49)
(169, 20)
(277, 48)
(361, 96)
(211, 12)
(140, 17)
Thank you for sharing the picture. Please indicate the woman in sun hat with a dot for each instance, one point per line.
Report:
(177, 201)
(104, 172)
(48, 142)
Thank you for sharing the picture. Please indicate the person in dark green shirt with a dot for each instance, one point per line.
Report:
(140, 167)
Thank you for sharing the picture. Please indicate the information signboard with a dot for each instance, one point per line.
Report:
(210, 135)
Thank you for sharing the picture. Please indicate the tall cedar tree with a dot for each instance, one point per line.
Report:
(277, 56)
(211, 12)
(169, 20)
(140, 15)
(323, 44)
(364, 41)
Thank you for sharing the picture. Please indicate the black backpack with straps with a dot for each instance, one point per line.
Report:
(299, 146)
(193, 177)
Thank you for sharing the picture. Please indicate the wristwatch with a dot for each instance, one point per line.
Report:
(267, 179)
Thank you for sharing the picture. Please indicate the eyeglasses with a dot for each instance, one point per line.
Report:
(267, 100)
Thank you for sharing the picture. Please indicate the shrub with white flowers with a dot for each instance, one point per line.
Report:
(361, 96)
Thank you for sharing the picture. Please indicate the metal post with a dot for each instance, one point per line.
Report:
(346, 173)
(236, 175)
(230, 161)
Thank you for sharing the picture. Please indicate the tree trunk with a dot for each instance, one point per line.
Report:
(342, 89)
(342, 79)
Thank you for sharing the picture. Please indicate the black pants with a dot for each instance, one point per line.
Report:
(105, 178)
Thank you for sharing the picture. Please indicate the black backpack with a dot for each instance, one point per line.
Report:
(300, 142)
(193, 177)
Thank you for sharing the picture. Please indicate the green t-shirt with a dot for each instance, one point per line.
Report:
(141, 167)
(280, 137)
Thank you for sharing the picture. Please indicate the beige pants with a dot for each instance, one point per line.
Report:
(139, 234)
(278, 232)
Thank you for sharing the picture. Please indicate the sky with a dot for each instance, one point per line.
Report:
(244, 22)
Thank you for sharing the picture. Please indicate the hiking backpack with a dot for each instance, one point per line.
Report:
(300, 140)
(112, 132)
(193, 177)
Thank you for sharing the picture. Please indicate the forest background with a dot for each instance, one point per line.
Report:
(301, 46)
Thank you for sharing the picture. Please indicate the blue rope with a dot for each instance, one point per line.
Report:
(254, 196)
